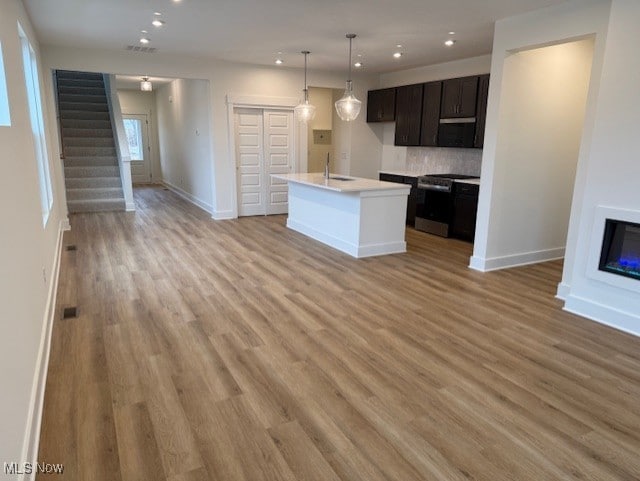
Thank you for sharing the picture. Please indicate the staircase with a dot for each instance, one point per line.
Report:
(92, 174)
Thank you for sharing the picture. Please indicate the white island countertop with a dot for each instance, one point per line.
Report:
(354, 184)
(362, 217)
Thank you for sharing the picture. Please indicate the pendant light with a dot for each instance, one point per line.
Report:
(145, 85)
(348, 107)
(304, 110)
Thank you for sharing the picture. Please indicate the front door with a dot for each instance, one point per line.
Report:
(264, 146)
(136, 127)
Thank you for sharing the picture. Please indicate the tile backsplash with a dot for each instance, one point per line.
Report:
(443, 160)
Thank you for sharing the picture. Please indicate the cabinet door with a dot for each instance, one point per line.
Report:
(408, 115)
(412, 200)
(483, 94)
(450, 98)
(398, 179)
(430, 114)
(381, 105)
(468, 97)
(465, 206)
(459, 97)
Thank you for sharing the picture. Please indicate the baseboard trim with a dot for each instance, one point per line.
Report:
(563, 291)
(223, 215)
(187, 196)
(130, 207)
(620, 320)
(34, 420)
(515, 260)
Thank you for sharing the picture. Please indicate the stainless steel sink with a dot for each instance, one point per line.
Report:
(337, 177)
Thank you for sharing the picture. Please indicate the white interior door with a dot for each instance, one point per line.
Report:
(249, 162)
(278, 142)
(264, 146)
(136, 127)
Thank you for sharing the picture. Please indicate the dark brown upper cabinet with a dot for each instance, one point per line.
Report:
(408, 114)
(430, 114)
(481, 116)
(459, 97)
(381, 105)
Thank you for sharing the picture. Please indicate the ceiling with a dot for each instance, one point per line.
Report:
(254, 31)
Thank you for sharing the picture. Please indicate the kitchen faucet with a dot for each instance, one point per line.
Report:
(326, 168)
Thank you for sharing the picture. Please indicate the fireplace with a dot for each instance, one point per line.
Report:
(621, 248)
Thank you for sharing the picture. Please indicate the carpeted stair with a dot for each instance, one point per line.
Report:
(92, 175)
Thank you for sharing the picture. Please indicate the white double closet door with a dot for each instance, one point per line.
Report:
(264, 143)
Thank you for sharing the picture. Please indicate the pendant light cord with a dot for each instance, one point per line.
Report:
(305, 71)
(350, 36)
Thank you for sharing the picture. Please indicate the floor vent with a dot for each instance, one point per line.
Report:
(165, 189)
(71, 248)
(70, 312)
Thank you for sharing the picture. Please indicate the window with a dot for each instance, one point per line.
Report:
(37, 123)
(133, 128)
(5, 116)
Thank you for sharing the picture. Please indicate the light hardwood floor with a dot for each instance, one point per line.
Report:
(240, 350)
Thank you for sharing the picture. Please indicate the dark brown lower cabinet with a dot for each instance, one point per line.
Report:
(465, 207)
(413, 194)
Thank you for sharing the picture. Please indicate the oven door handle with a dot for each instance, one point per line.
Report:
(437, 188)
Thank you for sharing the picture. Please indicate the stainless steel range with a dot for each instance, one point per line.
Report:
(434, 210)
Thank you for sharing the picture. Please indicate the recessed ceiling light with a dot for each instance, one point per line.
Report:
(144, 40)
(449, 42)
(157, 14)
(357, 64)
(452, 33)
(397, 55)
(398, 46)
(177, 1)
(143, 31)
(359, 55)
(157, 22)
(278, 61)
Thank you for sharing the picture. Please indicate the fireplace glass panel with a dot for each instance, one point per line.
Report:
(621, 248)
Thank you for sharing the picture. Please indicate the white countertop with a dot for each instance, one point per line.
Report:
(405, 173)
(358, 184)
(468, 181)
(413, 173)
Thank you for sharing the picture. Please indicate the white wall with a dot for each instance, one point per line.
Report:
(28, 254)
(139, 102)
(184, 133)
(225, 79)
(543, 100)
(511, 176)
(322, 99)
(429, 159)
(611, 170)
(341, 144)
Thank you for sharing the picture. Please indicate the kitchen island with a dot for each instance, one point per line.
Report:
(362, 217)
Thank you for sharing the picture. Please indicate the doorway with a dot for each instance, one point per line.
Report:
(264, 145)
(532, 162)
(136, 127)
